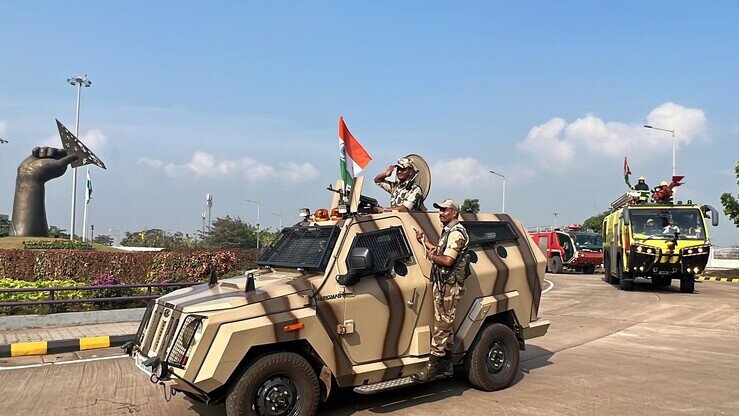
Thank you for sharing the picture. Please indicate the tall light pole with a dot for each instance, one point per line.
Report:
(674, 193)
(555, 219)
(116, 236)
(258, 207)
(502, 176)
(79, 82)
(280, 216)
(209, 204)
(203, 229)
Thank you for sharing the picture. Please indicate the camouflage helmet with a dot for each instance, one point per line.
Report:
(405, 162)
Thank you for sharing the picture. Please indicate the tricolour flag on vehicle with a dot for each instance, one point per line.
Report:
(353, 157)
(88, 190)
(627, 170)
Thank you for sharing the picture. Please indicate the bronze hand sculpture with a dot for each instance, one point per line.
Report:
(29, 206)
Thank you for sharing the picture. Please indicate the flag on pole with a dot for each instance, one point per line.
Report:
(627, 170)
(353, 157)
(88, 190)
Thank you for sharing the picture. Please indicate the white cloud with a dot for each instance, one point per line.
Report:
(3, 128)
(555, 143)
(467, 172)
(205, 164)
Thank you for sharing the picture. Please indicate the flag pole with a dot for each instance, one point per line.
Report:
(87, 202)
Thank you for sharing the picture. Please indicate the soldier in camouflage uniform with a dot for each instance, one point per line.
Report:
(405, 194)
(448, 274)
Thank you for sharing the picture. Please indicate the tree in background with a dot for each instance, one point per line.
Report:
(731, 204)
(471, 206)
(595, 222)
(155, 237)
(58, 232)
(103, 239)
(234, 233)
(4, 227)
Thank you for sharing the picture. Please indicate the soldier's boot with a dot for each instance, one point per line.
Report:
(435, 367)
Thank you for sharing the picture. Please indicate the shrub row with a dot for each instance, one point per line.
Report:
(84, 266)
(56, 245)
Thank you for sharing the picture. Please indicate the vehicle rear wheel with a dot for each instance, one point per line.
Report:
(555, 264)
(588, 269)
(624, 280)
(687, 284)
(607, 269)
(661, 281)
(278, 384)
(492, 362)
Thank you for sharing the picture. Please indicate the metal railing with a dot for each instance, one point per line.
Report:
(52, 301)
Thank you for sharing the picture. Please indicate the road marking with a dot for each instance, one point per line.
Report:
(551, 285)
(85, 360)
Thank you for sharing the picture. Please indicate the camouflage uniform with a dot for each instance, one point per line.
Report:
(407, 194)
(453, 241)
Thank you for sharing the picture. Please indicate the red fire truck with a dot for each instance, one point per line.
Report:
(572, 248)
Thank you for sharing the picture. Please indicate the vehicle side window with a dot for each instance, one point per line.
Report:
(543, 244)
(386, 246)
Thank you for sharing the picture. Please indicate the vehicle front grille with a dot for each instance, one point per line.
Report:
(161, 329)
(183, 341)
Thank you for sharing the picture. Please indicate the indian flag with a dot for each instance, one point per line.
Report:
(627, 170)
(353, 157)
(88, 190)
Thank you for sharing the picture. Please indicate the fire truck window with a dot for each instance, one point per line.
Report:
(543, 244)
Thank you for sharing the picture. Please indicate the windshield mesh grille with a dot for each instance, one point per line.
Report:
(485, 232)
(306, 247)
(386, 246)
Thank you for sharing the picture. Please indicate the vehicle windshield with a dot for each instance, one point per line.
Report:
(588, 241)
(301, 247)
(664, 223)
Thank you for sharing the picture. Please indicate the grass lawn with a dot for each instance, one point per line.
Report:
(17, 243)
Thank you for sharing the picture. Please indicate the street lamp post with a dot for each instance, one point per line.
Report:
(555, 219)
(502, 176)
(116, 236)
(280, 217)
(258, 207)
(673, 149)
(209, 204)
(79, 82)
(202, 232)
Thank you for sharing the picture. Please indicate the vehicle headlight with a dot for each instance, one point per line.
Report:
(650, 251)
(690, 251)
(638, 249)
(700, 249)
(198, 333)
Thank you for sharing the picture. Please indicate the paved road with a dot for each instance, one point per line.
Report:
(608, 352)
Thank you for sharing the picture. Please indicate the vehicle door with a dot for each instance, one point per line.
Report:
(383, 307)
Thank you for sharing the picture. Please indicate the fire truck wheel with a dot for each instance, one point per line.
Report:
(687, 284)
(588, 269)
(555, 265)
(625, 283)
(607, 269)
(275, 384)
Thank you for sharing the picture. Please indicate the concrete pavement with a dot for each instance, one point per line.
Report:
(608, 352)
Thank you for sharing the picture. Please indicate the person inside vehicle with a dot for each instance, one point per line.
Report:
(405, 194)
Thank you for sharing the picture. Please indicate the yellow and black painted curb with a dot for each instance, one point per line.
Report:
(717, 279)
(66, 345)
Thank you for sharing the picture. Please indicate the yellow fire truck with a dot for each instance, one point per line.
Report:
(656, 241)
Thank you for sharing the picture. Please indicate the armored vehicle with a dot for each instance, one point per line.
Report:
(656, 241)
(343, 298)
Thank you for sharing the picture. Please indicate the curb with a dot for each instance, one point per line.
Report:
(717, 279)
(65, 345)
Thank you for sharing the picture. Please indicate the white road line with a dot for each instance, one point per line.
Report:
(551, 285)
(86, 360)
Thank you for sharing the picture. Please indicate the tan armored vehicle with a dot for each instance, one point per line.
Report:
(343, 298)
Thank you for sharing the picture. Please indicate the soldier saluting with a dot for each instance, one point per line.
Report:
(449, 268)
(405, 194)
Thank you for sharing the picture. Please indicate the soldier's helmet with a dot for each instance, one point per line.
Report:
(405, 162)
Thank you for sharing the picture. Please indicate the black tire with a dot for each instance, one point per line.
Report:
(588, 268)
(282, 378)
(556, 265)
(607, 270)
(687, 284)
(624, 281)
(661, 281)
(492, 361)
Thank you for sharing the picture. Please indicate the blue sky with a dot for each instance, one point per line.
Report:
(241, 100)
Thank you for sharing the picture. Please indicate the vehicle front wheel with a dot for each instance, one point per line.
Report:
(687, 284)
(588, 269)
(624, 280)
(556, 265)
(607, 269)
(492, 362)
(277, 384)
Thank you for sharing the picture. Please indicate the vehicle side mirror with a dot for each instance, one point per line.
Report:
(626, 216)
(358, 263)
(360, 260)
(714, 214)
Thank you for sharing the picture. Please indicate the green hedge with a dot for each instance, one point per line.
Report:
(56, 245)
(146, 267)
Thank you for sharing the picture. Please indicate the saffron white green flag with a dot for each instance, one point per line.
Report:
(88, 190)
(353, 157)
